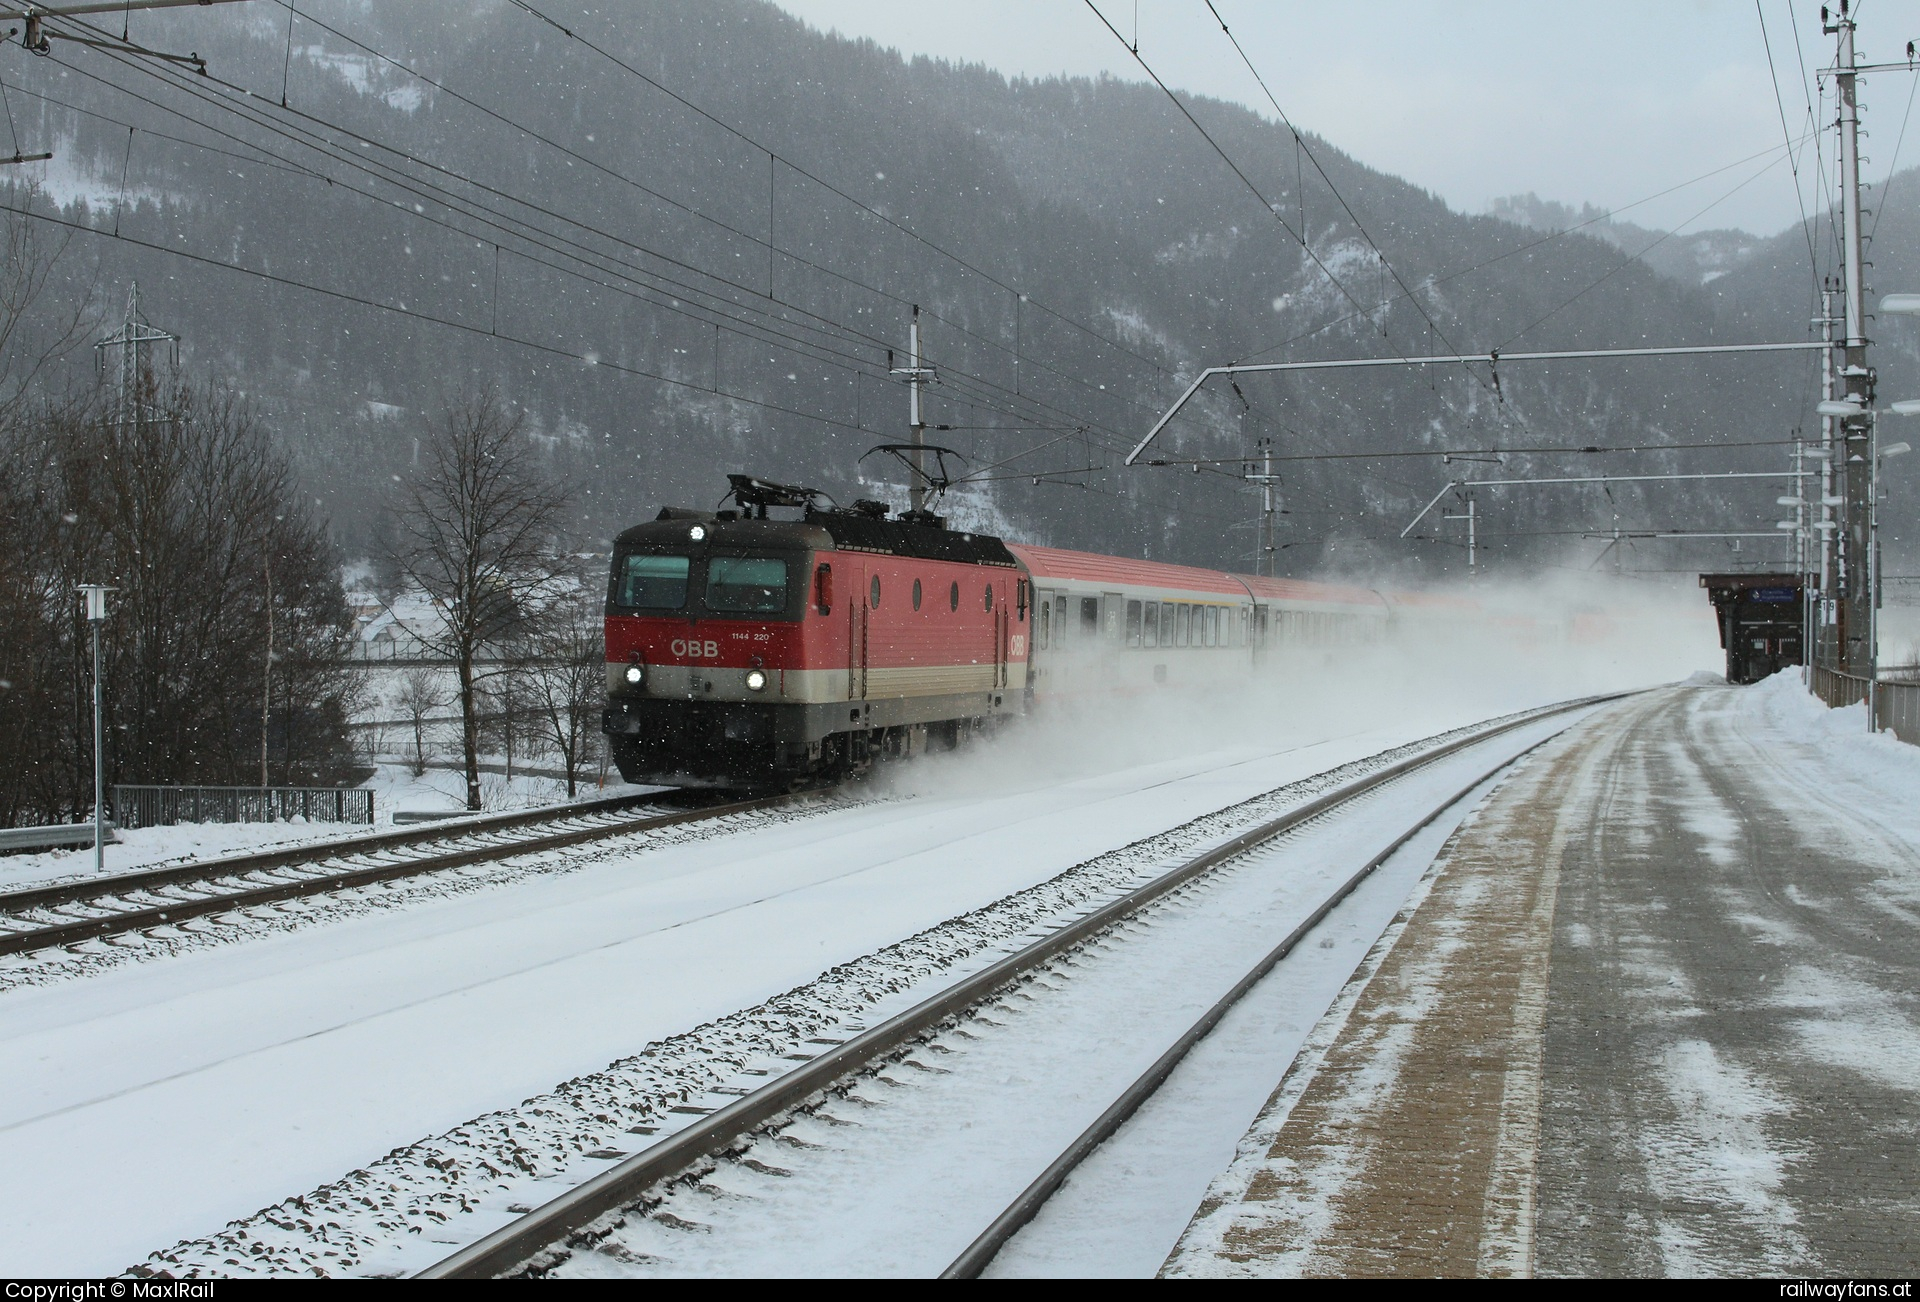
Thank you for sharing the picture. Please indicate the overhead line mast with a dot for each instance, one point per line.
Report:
(1850, 435)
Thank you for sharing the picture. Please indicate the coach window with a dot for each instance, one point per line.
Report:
(1213, 625)
(1090, 617)
(1150, 625)
(1133, 623)
(989, 596)
(916, 594)
(953, 597)
(873, 592)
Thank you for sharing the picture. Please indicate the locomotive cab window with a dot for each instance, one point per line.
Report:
(747, 584)
(1046, 625)
(652, 582)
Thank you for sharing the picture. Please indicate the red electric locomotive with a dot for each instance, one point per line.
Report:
(755, 653)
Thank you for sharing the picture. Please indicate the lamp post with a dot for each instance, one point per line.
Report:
(95, 596)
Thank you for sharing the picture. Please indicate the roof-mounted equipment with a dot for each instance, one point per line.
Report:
(756, 495)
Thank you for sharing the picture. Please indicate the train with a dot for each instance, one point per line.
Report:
(753, 653)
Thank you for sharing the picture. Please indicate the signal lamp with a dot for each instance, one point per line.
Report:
(756, 681)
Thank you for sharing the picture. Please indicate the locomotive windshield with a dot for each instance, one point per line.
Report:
(755, 584)
(653, 582)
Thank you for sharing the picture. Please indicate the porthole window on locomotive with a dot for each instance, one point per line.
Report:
(989, 596)
(953, 597)
(873, 592)
(916, 594)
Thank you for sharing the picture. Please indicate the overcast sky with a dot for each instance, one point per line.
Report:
(1599, 102)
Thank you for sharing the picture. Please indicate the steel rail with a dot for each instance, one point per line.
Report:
(47, 936)
(981, 1252)
(519, 1242)
(311, 852)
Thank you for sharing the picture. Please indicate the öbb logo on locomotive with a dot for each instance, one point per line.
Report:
(821, 685)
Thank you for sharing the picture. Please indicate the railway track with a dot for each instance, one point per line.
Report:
(73, 912)
(543, 1235)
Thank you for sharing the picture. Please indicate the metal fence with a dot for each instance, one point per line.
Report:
(1838, 690)
(1898, 710)
(165, 806)
(1896, 706)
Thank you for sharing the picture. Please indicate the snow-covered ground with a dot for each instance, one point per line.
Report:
(156, 1101)
(1874, 771)
(158, 1097)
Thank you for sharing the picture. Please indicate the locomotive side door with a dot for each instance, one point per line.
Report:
(1001, 611)
(858, 612)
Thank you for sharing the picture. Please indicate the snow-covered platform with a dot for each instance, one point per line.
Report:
(1656, 1011)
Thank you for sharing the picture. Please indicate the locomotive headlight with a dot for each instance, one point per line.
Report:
(756, 681)
(635, 675)
(698, 532)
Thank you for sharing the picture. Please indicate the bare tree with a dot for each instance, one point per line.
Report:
(568, 679)
(508, 725)
(475, 530)
(184, 510)
(34, 330)
(420, 695)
